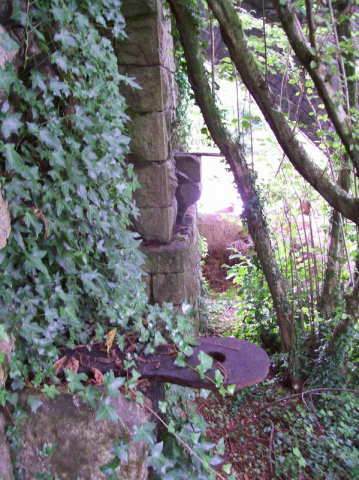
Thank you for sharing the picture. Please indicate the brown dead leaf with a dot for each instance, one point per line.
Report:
(98, 376)
(73, 365)
(59, 364)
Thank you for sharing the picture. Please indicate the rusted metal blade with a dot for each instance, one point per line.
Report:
(240, 362)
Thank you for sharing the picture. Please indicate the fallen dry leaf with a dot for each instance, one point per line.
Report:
(97, 376)
(110, 339)
(73, 365)
(59, 364)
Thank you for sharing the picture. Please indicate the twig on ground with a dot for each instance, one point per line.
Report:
(316, 391)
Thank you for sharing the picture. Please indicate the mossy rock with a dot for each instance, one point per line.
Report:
(82, 445)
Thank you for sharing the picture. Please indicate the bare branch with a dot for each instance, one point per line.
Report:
(248, 68)
(319, 74)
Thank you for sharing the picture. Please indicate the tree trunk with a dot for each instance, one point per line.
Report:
(329, 297)
(243, 176)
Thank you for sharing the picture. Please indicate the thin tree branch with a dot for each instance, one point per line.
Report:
(310, 20)
(248, 68)
(311, 61)
(322, 391)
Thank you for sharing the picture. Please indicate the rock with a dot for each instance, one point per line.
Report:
(219, 230)
(150, 137)
(158, 184)
(189, 182)
(186, 194)
(169, 288)
(82, 445)
(6, 9)
(149, 43)
(157, 93)
(139, 8)
(7, 345)
(190, 165)
(6, 471)
(157, 223)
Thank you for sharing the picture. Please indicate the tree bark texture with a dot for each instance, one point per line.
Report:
(248, 69)
(243, 176)
(329, 298)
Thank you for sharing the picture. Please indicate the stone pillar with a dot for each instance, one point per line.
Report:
(147, 55)
(171, 251)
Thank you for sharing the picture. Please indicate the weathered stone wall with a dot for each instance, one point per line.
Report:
(173, 270)
(147, 55)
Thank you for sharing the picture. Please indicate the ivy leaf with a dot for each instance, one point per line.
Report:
(218, 378)
(14, 160)
(206, 361)
(220, 447)
(60, 61)
(107, 412)
(7, 78)
(50, 139)
(120, 450)
(74, 380)
(34, 403)
(7, 43)
(51, 391)
(34, 260)
(157, 449)
(113, 383)
(109, 469)
(145, 432)
(11, 124)
(90, 395)
(159, 340)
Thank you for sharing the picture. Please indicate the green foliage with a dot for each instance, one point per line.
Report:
(256, 317)
(71, 261)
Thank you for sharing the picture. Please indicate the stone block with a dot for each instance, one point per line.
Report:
(147, 280)
(158, 91)
(186, 194)
(150, 137)
(173, 258)
(139, 8)
(6, 471)
(158, 184)
(169, 287)
(82, 444)
(149, 43)
(190, 165)
(157, 223)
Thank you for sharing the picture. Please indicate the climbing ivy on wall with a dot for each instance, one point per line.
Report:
(71, 260)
